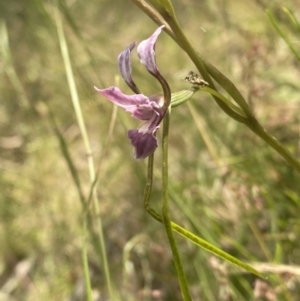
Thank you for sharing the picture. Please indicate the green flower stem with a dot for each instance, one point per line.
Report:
(187, 234)
(148, 188)
(87, 279)
(166, 212)
(203, 243)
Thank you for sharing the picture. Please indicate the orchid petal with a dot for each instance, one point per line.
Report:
(146, 52)
(158, 99)
(143, 139)
(115, 95)
(152, 124)
(138, 104)
(143, 112)
(144, 143)
(124, 63)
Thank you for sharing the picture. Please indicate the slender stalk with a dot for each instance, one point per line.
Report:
(83, 131)
(166, 212)
(187, 234)
(87, 279)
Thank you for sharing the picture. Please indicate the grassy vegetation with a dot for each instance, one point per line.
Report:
(226, 184)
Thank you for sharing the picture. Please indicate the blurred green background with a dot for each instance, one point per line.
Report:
(226, 185)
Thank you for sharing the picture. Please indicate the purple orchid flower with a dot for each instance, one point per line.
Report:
(152, 109)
